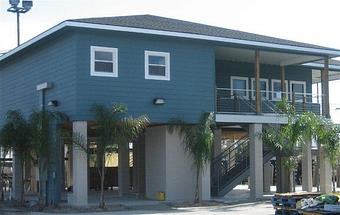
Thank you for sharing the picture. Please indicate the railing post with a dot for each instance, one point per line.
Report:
(304, 103)
(293, 100)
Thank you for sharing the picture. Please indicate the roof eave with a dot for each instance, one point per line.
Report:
(255, 44)
(321, 66)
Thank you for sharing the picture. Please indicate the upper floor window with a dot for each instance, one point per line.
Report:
(276, 89)
(298, 90)
(104, 61)
(157, 65)
(263, 88)
(239, 86)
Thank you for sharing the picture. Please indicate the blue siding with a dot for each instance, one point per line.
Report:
(51, 61)
(65, 61)
(189, 92)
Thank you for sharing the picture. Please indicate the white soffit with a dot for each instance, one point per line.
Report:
(266, 57)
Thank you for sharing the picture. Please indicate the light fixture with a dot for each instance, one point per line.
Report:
(53, 103)
(27, 5)
(159, 101)
(15, 8)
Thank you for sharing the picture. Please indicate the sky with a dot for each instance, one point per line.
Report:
(310, 21)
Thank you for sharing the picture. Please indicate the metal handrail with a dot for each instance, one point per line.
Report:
(262, 91)
(288, 94)
(227, 101)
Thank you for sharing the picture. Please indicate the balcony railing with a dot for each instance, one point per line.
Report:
(243, 101)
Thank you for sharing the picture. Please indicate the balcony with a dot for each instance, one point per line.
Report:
(232, 101)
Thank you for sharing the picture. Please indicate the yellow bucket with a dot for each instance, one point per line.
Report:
(160, 196)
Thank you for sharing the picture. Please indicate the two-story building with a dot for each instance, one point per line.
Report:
(165, 68)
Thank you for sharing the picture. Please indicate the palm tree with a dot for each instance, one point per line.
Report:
(113, 129)
(15, 134)
(287, 140)
(330, 141)
(41, 142)
(198, 141)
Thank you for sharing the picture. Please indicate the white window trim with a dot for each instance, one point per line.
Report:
(272, 89)
(166, 55)
(291, 88)
(240, 78)
(253, 88)
(114, 51)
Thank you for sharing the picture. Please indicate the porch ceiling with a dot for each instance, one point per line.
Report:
(266, 57)
(332, 75)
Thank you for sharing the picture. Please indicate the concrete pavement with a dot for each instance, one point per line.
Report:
(263, 208)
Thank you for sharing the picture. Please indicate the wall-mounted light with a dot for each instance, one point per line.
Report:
(159, 101)
(53, 103)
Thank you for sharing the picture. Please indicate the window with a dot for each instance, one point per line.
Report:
(104, 61)
(239, 86)
(157, 65)
(298, 89)
(263, 88)
(276, 89)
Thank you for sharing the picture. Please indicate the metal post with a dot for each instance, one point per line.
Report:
(18, 27)
(26, 6)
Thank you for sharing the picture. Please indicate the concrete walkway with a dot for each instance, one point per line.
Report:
(263, 208)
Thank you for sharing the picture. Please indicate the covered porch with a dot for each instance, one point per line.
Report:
(252, 81)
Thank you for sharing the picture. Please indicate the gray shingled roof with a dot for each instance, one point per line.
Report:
(174, 25)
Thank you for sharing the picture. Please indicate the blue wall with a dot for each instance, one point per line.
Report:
(64, 59)
(53, 60)
(189, 92)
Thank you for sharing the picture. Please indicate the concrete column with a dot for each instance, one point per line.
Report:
(54, 170)
(204, 182)
(307, 177)
(17, 177)
(217, 142)
(256, 161)
(140, 165)
(79, 170)
(325, 167)
(155, 158)
(123, 169)
(325, 173)
(267, 177)
(170, 169)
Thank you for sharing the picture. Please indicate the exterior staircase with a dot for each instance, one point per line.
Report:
(231, 167)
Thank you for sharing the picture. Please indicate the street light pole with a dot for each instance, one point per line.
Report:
(26, 6)
(18, 28)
